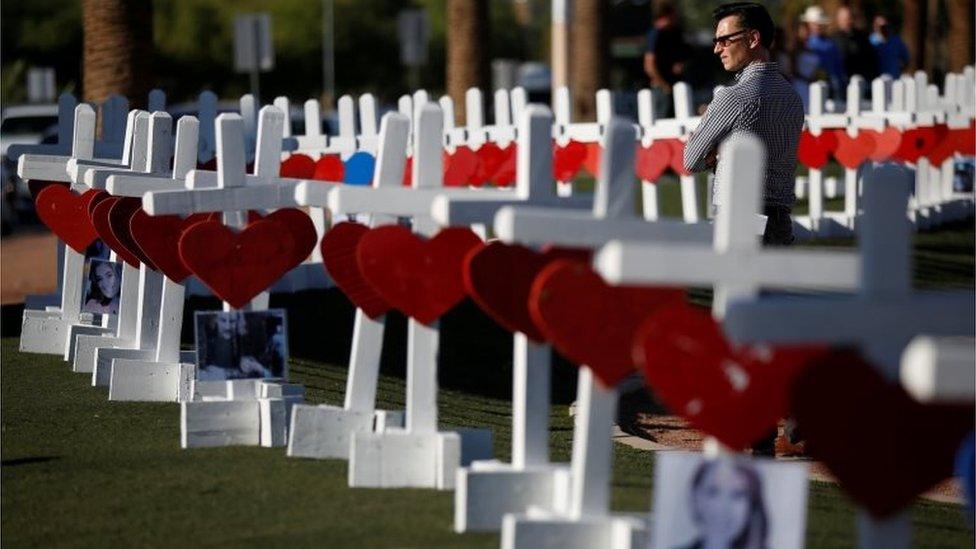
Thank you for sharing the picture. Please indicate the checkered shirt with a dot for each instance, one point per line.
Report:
(763, 103)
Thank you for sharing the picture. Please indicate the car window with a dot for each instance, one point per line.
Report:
(27, 124)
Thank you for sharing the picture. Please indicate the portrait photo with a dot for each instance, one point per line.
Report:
(241, 344)
(103, 284)
(97, 250)
(732, 501)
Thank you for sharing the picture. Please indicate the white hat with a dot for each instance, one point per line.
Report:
(815, 14)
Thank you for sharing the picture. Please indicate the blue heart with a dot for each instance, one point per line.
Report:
(359, 169)
(966, 471)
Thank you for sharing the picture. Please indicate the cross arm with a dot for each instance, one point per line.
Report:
(940, 369)
(219, 200)
(447, 211)
(399, 201)
(44, 167)
(138, 185)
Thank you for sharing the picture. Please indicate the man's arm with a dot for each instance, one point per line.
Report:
(715, 124)
(650, 67)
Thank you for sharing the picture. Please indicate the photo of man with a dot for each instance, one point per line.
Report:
(239, 344)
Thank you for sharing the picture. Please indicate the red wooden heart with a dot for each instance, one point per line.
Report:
(103, 224)
(35, 186)
(119, 218)
(916, 143)
(883, 447)
(592, 160)
(298, 166)
(158, 238)
(590, 322)
(944, 147)
(965, 139)
(498, 278)
(408, 172)
(490, 158)
(460, 167)
(735, 395)
(678, 156)
(885, 143)
(652, 161)
(814, 150)
(329, 167)
(302, 230)
(504, 175)
(851, 152)
(66, 214)
(421, 278)
(568, 160)
(237, 266)
(339, 257)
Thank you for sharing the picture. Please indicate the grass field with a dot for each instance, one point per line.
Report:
(80, 471)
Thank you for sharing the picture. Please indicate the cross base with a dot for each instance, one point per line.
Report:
(46, 332)
(397, 458)
(149, 381)
(243, 412)
(539, 529)
(488, 490)
(87, 342)
(325, 432)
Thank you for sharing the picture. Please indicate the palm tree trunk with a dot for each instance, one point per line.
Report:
(960, 42)
(118, 38)
(914, 25)
(467, 50)
(590, 68)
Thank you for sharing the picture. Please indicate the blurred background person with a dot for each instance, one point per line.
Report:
(665, 57)
(806, 65)
(818, 42)
(891, 52)
(854, 45)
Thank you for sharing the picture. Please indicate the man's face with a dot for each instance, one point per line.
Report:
(732, 47)
(845, 22)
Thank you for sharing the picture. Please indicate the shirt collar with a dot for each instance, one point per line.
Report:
(756, 67)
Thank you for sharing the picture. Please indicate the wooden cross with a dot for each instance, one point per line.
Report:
(881, 318)
(940, 369)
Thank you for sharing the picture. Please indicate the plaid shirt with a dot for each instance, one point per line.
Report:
(763, 103)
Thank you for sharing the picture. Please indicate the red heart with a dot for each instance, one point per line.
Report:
(103, 224)
(329, 167)
(339, 257)
(422, 278)
(592, 160)
(408, 172)
(158, 238)
(504, 175)
(498, 278)
(885, 143)
(298, 166)
(460, 167)
(490, 158)
(965, 139)
(883, 447)
(851, 152)
(678, 156)
(916, 143)
(652, 161)
(237, 266)
(944, 147)
(35, 186)
(66, 214)
(568, 160)
(814, 150)
(119, 218)
(301, 228)
(590, 322)
(735, 395)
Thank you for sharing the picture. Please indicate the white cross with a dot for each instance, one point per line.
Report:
(735, 264)
(940, 369)
(881, 318)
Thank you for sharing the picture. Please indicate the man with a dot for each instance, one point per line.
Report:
(760, 102)
(892, 52)
(825, 48)
(664, 60)
(855, 47)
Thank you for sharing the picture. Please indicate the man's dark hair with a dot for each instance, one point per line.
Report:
(751, 16)
(665, 9)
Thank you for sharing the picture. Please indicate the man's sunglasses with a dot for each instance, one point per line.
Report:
(725, 40)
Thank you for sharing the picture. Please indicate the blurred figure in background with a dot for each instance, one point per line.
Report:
(855, 46)
(892, 54)
(806, 65)
(825, 48)
(665, 57)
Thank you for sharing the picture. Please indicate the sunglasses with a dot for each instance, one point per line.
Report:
(724, 41)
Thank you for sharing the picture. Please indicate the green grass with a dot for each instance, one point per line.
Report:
(81, 471)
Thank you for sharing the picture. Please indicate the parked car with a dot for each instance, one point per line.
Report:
(22, 125)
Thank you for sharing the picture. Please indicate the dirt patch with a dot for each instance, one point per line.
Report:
(28, 265)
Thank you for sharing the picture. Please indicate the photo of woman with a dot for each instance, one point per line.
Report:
(727, 505)
(728, 502)
(102, 290)
(237, 345)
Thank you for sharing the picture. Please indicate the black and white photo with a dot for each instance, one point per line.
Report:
(241, 344)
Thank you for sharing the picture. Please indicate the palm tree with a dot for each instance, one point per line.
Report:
(589, 70)
(467, 50)
(914, 25)
(118, 49)
(959, 43)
